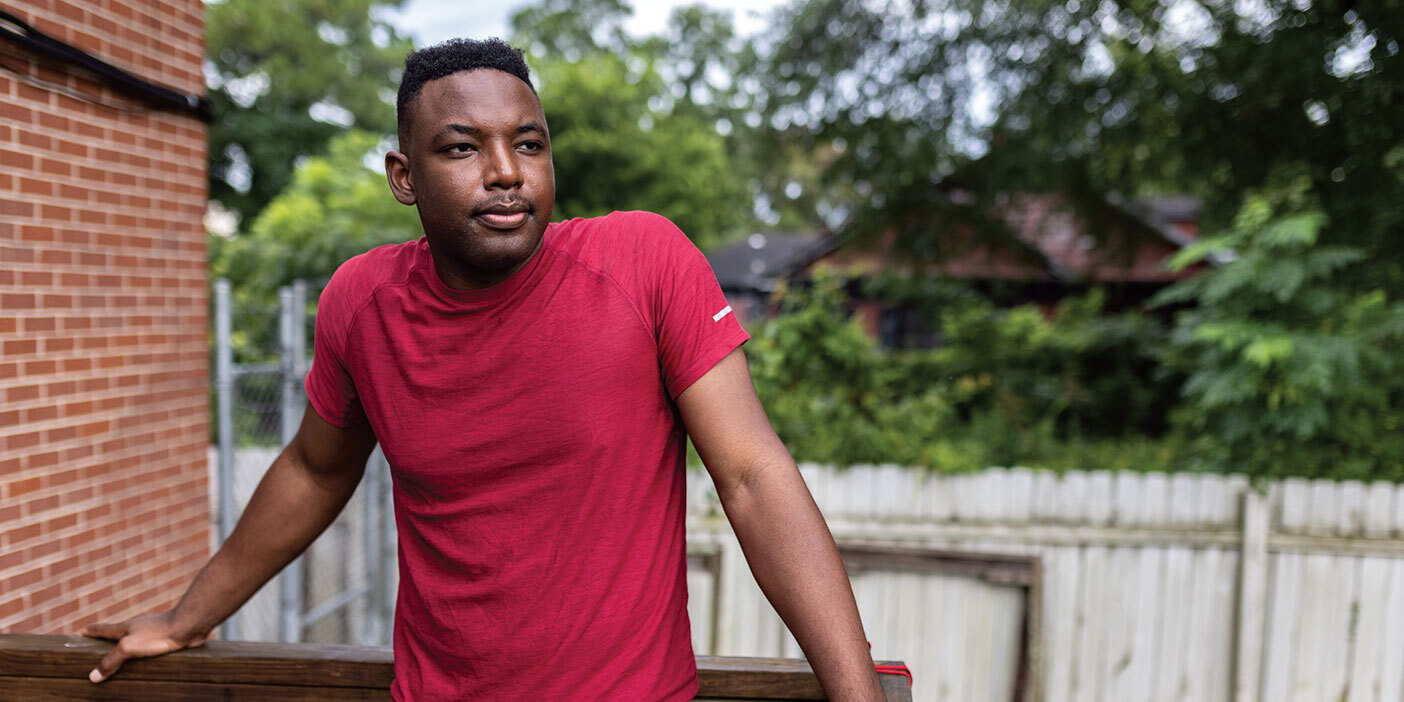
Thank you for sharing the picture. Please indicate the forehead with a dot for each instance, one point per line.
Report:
(483, 98)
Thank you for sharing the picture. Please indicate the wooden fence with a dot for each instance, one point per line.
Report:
(1193, 588)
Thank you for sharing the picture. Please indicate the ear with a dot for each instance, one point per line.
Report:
(398, 174)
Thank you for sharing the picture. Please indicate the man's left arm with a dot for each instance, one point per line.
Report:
(786, 542)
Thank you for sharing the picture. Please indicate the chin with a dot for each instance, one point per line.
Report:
(501, 251)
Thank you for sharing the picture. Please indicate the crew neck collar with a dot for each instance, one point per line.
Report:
(493, 293)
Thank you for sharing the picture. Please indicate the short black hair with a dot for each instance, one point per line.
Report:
(450, 57)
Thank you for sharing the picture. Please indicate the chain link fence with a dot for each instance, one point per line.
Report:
(342, 589)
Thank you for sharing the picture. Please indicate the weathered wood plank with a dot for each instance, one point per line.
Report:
(1115, 654)
(34, 666)
(1325, 508)
(1145, 645)
(1099, 498)
(1284, 588)
(1091, 618)
(122, 690)
(774, 679)
(1296, 499)
(1175, 605)
(1367, 644)
(309, 665)
(1351, 519)
(1391, 652)
(1252, 598)
(1062, 569)
(1379, 498)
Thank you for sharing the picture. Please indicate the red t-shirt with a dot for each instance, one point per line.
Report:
(537, 454)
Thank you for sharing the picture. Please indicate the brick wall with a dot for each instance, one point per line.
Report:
(103, 380)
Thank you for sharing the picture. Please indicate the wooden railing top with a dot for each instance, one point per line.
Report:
(56, 667)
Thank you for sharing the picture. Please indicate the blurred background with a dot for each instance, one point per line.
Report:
(1082, 316)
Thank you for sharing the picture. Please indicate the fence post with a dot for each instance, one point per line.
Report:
(224, 422)
(290, 335)
(1252, 596)
(389, 557)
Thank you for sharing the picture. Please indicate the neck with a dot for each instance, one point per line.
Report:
(460, 276)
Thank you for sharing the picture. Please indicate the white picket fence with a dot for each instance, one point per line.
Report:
(1146, 592)
(1150, 587)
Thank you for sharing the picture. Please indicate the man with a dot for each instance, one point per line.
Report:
(531, 385)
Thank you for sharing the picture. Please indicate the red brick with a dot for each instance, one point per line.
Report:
(42, 551)
(22, 487)
(20, 346)
(28, 625)
(53, 167)
(41, 505)
(11, 607)
(59, 345)
(43, 460)
(22, 393)
(37, 280)
(16, 159)
(22, 533)
(17, 301)
(16, 254)
(41, 414)
(36, 233)
(34, 186)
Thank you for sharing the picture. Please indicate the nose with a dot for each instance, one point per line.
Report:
(501, 171)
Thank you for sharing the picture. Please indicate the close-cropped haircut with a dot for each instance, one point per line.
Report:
(448, 58)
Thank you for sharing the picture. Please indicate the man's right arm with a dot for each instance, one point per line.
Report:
(299, 496)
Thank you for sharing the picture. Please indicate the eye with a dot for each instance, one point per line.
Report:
(459, 149)
(530, 147)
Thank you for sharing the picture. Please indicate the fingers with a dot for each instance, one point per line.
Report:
(109, 663)
(105, 631)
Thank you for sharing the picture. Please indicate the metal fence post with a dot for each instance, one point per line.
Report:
(389, 560)
(290, 335)
(224, 420)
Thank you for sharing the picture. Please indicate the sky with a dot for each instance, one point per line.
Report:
(432, 21)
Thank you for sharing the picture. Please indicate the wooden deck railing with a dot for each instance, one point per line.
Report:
(48, 667)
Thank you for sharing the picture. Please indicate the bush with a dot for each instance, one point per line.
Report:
(1007, 387)
(1289, 370)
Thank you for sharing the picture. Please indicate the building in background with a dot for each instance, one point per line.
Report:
(103, 356)
(1051, 254)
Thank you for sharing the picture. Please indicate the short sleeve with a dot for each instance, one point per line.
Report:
(330, 388)
(695, 325)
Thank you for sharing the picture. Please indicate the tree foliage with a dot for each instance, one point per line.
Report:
(1217, 98)
(1289, 370)
(287, 77)
(1006, 386)
(626, 133)
(335, 208)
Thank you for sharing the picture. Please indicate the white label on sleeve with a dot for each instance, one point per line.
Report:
(717, 317)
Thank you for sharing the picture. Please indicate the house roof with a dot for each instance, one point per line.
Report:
(755, 263)
(1049, 245)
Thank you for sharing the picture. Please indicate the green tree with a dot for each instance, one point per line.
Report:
(335, 207)
(1289, 370)
(621, 137)
(833, 396)
(287, 77)
(1220, 99)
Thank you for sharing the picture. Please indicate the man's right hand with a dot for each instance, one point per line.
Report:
(299, 495)
(140, 637)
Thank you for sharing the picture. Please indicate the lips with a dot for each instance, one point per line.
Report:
(504, 216)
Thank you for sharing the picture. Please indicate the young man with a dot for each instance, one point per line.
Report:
(531, 384)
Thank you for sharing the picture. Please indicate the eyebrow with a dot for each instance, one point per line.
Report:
(470, 130)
